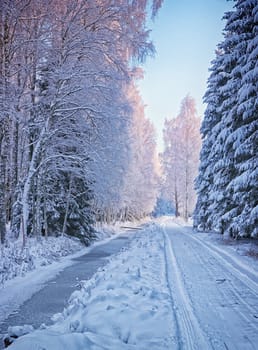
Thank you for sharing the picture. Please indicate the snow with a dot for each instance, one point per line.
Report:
(16, 261)
(17, 331)
(170, 288)
(20, 279)
(126, 305)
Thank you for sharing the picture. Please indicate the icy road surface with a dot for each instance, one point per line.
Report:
(169, 290)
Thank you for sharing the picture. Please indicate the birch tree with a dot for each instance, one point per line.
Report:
(141, 183)
(65, 68)
(181, 157)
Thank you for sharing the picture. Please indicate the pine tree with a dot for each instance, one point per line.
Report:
(227, 181)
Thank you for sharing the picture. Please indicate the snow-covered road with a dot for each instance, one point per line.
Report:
(171, 289)
(216, 298)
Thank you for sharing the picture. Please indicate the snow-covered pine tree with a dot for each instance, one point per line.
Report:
(227, 181)
(242, 220)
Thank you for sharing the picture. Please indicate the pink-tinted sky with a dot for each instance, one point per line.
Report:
(185, 35)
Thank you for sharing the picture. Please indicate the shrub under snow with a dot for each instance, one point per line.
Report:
(15, 261)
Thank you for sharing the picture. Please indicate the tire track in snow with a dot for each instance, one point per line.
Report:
(217, 254)
(229, 296)
(232, 286)
(178, 337)
(190, 334)
(238, 297)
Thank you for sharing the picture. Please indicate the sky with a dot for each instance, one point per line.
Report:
(185, 34)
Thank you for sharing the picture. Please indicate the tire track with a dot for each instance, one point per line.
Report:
(250, 284)
(235, 302)
(232, 290)
(240, 273)
(190, 334)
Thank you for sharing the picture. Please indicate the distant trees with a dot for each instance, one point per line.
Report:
(180, 158)
(228, 180)
(65, 70)
(142, 177)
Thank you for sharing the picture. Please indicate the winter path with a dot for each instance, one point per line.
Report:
(216, 295)
(170, 289)
(51, 295)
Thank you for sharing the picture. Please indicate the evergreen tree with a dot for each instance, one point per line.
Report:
(227, 181)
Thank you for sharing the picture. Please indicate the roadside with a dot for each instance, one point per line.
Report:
(45, 260)
(125, 305)
(16, 261)
(54, 293)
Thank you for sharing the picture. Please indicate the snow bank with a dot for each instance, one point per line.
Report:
(28, 270)
(15, 261)
(105, 231)
(126, 305)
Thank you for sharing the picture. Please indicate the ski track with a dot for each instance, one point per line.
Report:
(234, 299)
(190, 334)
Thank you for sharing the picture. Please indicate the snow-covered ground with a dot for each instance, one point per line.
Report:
(24, 272)
(15, 261)
(171, 289)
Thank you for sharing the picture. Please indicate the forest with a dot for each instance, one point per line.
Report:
(75, 145)
(227, 184)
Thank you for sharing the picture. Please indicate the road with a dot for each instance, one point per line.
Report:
(209, 294)
(215, 299)
(55, 293)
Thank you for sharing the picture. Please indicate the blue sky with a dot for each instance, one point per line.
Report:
(185, 34)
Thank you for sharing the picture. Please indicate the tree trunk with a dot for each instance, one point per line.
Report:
(67, 206)
(45, 215)
(38, 205)
(176, 202)
(2, 195)
(35, 160)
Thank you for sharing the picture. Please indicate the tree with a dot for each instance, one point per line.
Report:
(180, 157)
(142, 178)
(230, 131)
(65, 71)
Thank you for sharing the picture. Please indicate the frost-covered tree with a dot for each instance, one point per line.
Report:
(65, 71)
(109, 148)
(227, 181)
(180, 157)
(142, 177)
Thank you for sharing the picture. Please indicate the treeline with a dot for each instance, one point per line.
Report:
(75, 146)
(227, 184)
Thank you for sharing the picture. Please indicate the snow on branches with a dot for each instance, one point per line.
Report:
(227, 181)
(65, 70)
